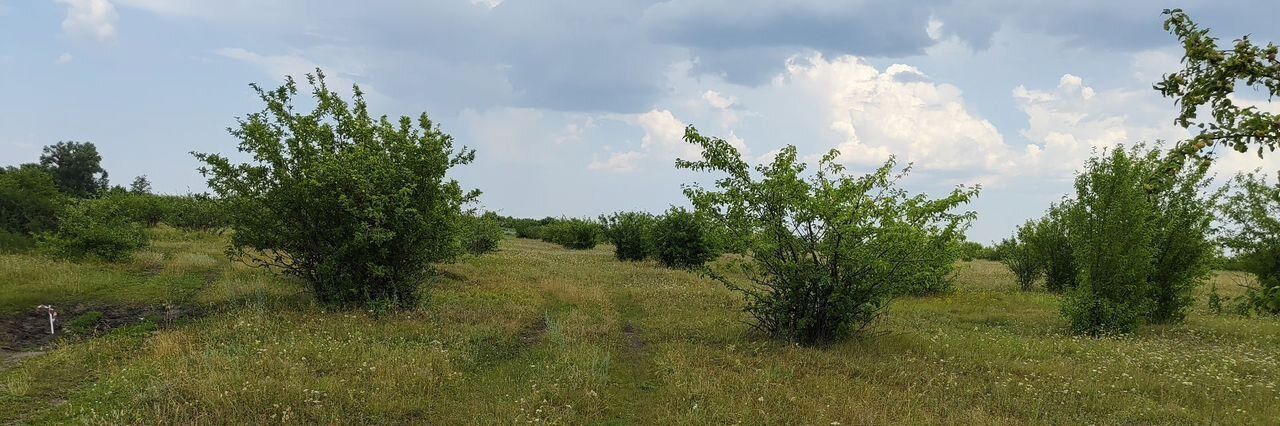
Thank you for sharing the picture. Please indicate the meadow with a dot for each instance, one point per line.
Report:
(536, 333)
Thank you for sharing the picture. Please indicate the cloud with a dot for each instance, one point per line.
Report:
(64, 58)
(622, 162)
(1066, 124)
(879, 113)
(90, 18)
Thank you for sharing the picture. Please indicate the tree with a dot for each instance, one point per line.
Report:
(1253, 212)
(140, 185)
(359, 208)
(1140, 238)
(826, 250)
(1020, 254)
(76, 168)
(1210, 76)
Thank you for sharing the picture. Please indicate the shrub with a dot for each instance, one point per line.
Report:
(480, 235)
(577, 234)
(972, 250)
(826, 251)
(1138, 231)
(1053, 247)
(29, 200)
(630, 234)
(94, 228)
(532, 231)
(680, 240)
(357, 207)
(197, 212)
(1020, 255)
(1254, 234)
(146, 209)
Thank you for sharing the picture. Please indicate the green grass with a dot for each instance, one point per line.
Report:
(538, 333)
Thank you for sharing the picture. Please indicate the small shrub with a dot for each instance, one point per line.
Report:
(630, 234)
(197, 213)
(145, 209)
(480, 235)
(94, 228)
(826, 250)
(577, 234)
(680, 240)
(1053, 247)
(531, 231)
(1021, 257)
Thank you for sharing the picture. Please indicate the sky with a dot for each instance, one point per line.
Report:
(577, 108)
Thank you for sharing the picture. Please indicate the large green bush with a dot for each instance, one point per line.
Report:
(29, 201)
(1138, 229)
(1253, 213)
(630, 233)
(680, 240)
(577, 234)
(94, 229)
(357, 207)
(826, 250)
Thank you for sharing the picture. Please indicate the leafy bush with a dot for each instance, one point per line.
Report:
(680, 240)
(630, 234)
(532, 231)
(196, 212)
(577, 234)
(358, 207)
(480, 235)
(94, 228)
(29, 200)
(1253, 212)
(146, 209)
(1020, 255)
(972, 250)
(1053, 247)
(1138, 228)
(826, 251)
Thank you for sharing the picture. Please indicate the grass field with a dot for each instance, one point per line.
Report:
(537, 333)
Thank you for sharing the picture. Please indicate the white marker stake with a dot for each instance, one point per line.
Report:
(52, 314)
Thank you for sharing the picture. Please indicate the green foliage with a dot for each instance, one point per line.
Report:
(1053, 249)
(96, 229)
(480, 234)
(196, 212)
(29, 200)
(358, 207)
(1140, 238)
(140, 185)
(972, 250)
(630, 233)
(146, 209)
(1020, 254)
(76, 168)
(1253, 212)
(577, 234)
(827, 250)
(680, 240)
(1209, 77)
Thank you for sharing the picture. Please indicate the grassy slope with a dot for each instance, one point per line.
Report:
(539, 333)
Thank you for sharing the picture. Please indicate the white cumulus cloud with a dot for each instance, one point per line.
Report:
(90, 18)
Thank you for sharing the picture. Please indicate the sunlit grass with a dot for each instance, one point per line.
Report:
(538, 333)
